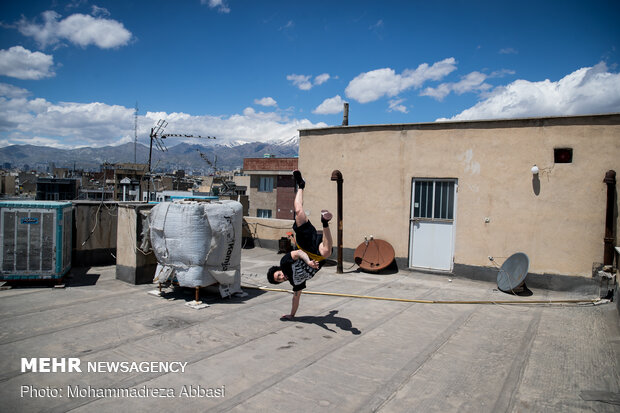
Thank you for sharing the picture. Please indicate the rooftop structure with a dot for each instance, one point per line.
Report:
(447, 195)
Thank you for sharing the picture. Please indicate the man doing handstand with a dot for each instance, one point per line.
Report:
(300, 265)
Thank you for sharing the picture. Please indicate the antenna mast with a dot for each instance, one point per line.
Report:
(135, 134)
(158, 135)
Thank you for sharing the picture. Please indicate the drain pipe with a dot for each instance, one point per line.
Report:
(337, 176)
(610, 180)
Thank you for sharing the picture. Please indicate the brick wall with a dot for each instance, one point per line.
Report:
(270, 164)
(285, 197)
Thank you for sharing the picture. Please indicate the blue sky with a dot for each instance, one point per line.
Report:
(72, 72)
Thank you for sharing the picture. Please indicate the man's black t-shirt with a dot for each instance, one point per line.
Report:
(297, 271)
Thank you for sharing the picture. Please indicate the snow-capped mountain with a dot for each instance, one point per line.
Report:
(293, 140)
(182, 156)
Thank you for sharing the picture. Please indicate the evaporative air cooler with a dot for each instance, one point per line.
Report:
(36, 239)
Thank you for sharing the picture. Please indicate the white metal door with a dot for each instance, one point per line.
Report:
(432, 228)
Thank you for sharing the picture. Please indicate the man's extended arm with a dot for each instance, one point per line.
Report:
(294, 306)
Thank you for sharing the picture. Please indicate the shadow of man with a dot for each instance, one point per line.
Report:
(322, 321)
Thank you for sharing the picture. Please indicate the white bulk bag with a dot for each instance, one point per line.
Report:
(200, 241)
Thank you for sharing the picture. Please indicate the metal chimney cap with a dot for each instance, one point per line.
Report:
(610, 177)
(337, 175)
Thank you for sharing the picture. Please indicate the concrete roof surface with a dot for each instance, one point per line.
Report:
(340, 354)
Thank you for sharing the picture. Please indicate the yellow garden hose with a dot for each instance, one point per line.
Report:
(593, 301)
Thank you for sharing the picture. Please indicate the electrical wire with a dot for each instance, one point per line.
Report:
(94, 227)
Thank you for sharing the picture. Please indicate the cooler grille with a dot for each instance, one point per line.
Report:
(28, 241)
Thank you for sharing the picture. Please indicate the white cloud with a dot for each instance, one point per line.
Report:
(11, 91)
(502, 73)
(266, 101)
(304, 82)
(71, 125)
(21, 63)
(373, 85)
(74, 4)
(438, 92)
(379, 24)
(395, 105)
(508, 50)
(38, 141)
(330, 106)
(100, 11)
(251, 126)
(289, 25)
(320, 79)
(301, 81)
(473, 82)
(221, 5)
(588, 90)
(377, 28)
(80, 29)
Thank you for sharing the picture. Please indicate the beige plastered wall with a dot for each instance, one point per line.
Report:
(269, 229)
(262, 200)
(561, 228)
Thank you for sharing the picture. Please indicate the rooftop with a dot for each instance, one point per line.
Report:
(604, 118)
(341, 353)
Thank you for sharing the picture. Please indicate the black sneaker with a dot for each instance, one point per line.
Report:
(298, 179)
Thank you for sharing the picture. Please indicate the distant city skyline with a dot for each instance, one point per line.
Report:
(71, 72)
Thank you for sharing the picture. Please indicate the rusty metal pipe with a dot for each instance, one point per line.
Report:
(610, 240)
(337, 176)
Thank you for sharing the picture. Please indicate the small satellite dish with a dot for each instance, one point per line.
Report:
(512, 273)
(374, 255)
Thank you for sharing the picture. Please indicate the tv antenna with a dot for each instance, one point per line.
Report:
(229, 187)
(157, 135)
(213, 164)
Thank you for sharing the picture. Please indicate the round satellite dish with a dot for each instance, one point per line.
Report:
(512, 273)
(374, 255)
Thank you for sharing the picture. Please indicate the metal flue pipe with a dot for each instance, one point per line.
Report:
(337, 176)
(610, 180)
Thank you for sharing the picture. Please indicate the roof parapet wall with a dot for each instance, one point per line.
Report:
(602, 119)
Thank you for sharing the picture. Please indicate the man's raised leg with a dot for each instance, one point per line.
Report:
(300, 214)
